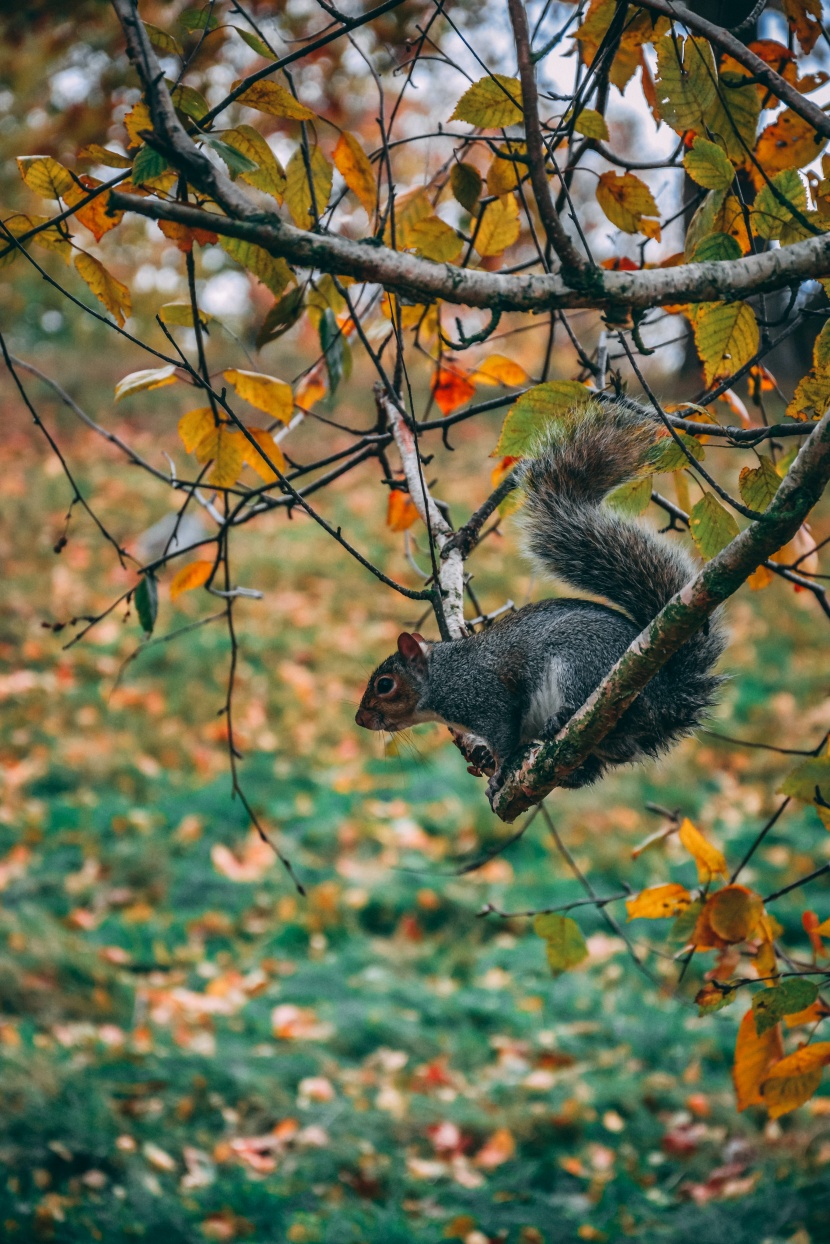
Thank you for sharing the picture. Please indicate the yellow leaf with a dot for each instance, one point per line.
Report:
(94, 215)
(658, 902)
(591, 124)
(354, 166)
(498, 369)
(754, 1056)
(265, 392)
(812, 396)
(150, 378)
(138, 121)
(189, 577)
(499, 226)
(626, 199)
(226, 446)
(503, 175)
(274, 99)
(726, 336)
(491, 102)
(732, 118)
(790, 142)
(734, 912)
(271, 449)
(273, 272)
(45, 176)
(686, 83)
(103, 155)
(760, 578)
(794, 1079)
(50, 239)
(719, 212)
(269, 176)
(109, 292)
(434, 239)
(298, 190)
(195, 426)
(708, 858)
(410, 209)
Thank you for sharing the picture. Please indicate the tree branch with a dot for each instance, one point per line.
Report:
(540, 766)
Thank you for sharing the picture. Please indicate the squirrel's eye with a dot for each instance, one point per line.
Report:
(384, 686)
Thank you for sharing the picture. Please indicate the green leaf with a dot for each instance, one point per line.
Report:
(490, 103)
(809, 779)
(187, 100)
(148, 164)
(717, 247)
(465, 182)
(167, 44)
(732, 118)
(298, 191)
(527, 417)
(282, 316)
(632, 498)
(707, 164)
(770, 217)
(267, 173)
(771, 1005)
(684, 925)
(335, 348)
(759, 486)
(712, 526)
(726, 336)
(566, 946)
(147, 602)
(667, 455)
(711, 998)
(236, 160)
(254, 42)
(198, 19)
(274, 273)
(686, 83)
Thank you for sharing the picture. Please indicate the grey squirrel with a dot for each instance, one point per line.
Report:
(526, 675)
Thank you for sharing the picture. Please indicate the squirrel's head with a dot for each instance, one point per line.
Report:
(390, 701)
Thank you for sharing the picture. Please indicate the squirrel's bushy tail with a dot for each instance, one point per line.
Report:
(572, 536)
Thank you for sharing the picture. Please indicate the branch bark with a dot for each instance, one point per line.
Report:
(540, 766)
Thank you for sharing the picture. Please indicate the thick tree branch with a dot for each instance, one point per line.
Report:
(573, 264)
(541, 765)
(759, 69)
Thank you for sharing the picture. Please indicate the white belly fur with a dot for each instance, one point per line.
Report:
(546, 701)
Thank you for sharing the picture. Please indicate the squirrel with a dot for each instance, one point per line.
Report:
(525, 676)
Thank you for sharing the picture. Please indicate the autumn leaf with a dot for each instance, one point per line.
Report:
(275, 100)
(726, 336)
(809, 780)
(226, 446)
(632, 498)
(298, 190)
(184, 237)
(709, 860)
(720, 212)
(499, 226)
(180, 315)
(497, 1149)
(733, 913)
(490, 103)
(711, 525)
(658, 902)
(528, 415)
(712, 997)
(103, 155)
(273, 273)
(194, 575)
(804, 18)
(590, 123)
(626, 201)
(45, 176)
(732, 117)
(195, 426)
(789, 142)
(465, 183)
(794, 1079)
(434, 239)
(109, 291)
(269, 175)
(754, 1057)
(354, 166)
(498, 369)
(267, 393)
(95, 215)
(451, 388)
(708, 165)
(686, 84)
(400, 511)
(270, 450)
(564, 943)
(770, 216)
(149, 378)
(668, 455)
(759, 485)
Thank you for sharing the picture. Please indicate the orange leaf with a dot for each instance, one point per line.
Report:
(184, 237)
(499, 1148)
(502, 469)
(497, 369)
(94, 215)
(451, 389)
(400, 511)
(811, 925)
(709, 859)
(189, 577)
(794, 1079)
(659, 901)
(271, 450)
(754, 1056)
(734, 913)
(810, 1015)
(790, 142)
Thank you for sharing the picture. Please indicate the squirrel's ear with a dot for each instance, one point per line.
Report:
(410, 648)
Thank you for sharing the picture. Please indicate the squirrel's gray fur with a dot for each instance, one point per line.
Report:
(525, 676)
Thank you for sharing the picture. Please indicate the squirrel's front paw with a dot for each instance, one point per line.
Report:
(495, 784)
